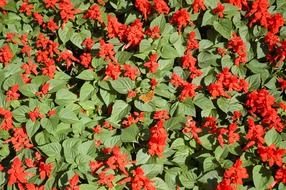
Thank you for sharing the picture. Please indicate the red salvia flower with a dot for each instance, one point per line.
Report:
(158, 139)
(113, 71)
(188, 91)
(35, 114)
(106, 50)
(45, 170)
(131, 94)
(106, 179)
(68, 57)
(198, 5)
(140, 181)
(271, 154)
(191, 127)
(3, 3)
(219, 10)
(6, 54)
(67, 11)
(50, 3)
(85, 59)
(181, 18)
(20, 140)
(161, 115)
(282, 83)
(88, 43)
(93, 13)
(152, 64)
(271, 40)
(144, 6)
(275, 22)
(12, 93)
(17, 173)
(233, 176)
(130, 71)
(281, 175)
(26, 8)
(115, 28)
(153, 32)
(161, 6)
(95, 165)
(134, 33)
(52, 26)
(259, 13)
(237, 45)
(7, 122)
(73, 183)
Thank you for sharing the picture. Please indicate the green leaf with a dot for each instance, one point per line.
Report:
(86, 91)
(86, 75)
(224, 104)
(123, 56)
(66, 32)
(272, 137)
(70, 147)
(52, 150)
(142, 157)
(223, 27)
(169, 52)
(208, 18)
(254, 81)
(129, 134)
(68, 116)
(203, 102)
(122, 85)
(77, 38)
(262, 178)
(64, 97)
(120, 109)
(209, 164)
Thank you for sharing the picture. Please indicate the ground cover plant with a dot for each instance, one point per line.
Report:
(142, 94)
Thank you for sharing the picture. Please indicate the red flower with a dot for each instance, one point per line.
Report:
(176, 80)
(139, 181)
(219, 10)
(191, 127)
(198, 5)
(189, 62)
(3, 3)
(238, 3)
(217, 90)
(181, 18)
(161, 6)
(26, 8)
(73, 183)
(7, 121)
(51, 113)
(67, 11)
(115, 28)
(131, 94)
(113, 71)
(13, 94)
(52, 26)
(144, 6)
(88, 43)
(271, 154)
(106, 50)
(118, 160)
(20, 140)
(192, 42)
(281, 175)
(153, 83)
(38, 17)
(271, 40)
(131, 71)
(161, 115)
(158, 139)
(68, 57)
(6, 54)
(85, 59)
(106, 179)
(237, 45)
(259, 13)
(93, 13)
(153, 32)
(44, 90)
(17, 173)
(233, 176)
(282, 83)
(134, 33)
(275, 22)
(95, 165)
(255, 134)
(188, 91)
(152, 64)
(50, 3)
(33, 115)
(45, 170)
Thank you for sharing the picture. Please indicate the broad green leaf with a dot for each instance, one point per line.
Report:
(64, 97)
(129, 134)
(122, 85)
(224, 27)
(262, 177)
(52, 150)
(272, 137)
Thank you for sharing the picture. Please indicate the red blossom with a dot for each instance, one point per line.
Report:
(6, 54)
(85, 59)
(3, 3)
(26, 8)
(158, 139)
(152, 64)
(134, 34)
(140, 181)
(50, 3)
(131, 94)
(33, 115)
(198, 5)
(181, 18)
(106, 179)
(7, 121)
(52, 26)
(12, 93)
(153, 32)
(271, 154)
(67, 11)
(20, 140)
(113, 71)
(237, 45)
(93, 13)
(161, 115)
(17, 173)
(255, 134)
(161, 6)
(45, 170)
(191, 127)
(131, 71)
(219, 10)
(144, 6)
(106, 50)
(275, 22)
(259, 13)
(88, 43)
(73, 183)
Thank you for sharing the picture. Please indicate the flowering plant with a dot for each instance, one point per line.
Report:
(142, 94)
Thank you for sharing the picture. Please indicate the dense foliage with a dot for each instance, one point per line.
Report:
(142, 94)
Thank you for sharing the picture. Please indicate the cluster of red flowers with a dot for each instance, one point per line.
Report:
(261, 103)
(233, 177)
(227, 81)
(130, 120)
(6, 54)
(237, 45)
